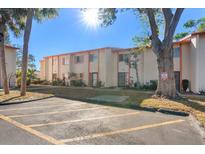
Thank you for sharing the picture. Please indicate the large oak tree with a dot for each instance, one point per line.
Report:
(161, 45)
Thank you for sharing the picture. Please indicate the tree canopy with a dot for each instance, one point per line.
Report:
(191, 26)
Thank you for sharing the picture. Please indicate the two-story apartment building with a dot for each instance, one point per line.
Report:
(115, 67)
(10, 55)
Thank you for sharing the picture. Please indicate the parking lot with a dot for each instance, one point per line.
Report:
(63, 121)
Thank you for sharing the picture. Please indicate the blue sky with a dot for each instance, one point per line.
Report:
(66, 33)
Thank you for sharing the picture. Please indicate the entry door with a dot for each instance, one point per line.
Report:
(177, 80)
(94, 79)
(121, 79)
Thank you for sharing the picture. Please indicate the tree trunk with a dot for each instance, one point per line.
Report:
(3, 59)
(166, 83)
(27, 33)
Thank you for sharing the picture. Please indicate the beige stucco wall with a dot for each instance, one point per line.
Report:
(109, 68)
(102, 66)
(107, 65)
(64, 68)
(193, 65)
(186, 53)
(201, 64)
(10, 55)
(80, 67)
(42, 70)
(150, 71)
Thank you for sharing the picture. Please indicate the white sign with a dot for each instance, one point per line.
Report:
(164, 76)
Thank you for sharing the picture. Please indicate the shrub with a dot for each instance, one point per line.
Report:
(42, 82)
(202, 92)
(77, 83)
(153, 84)
(137, 84)
(36, 81)
(45, 82)
(99, 84)
(185, 84)
(18, 81)
(58, 82)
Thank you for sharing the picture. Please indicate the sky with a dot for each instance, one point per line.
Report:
(67, 33)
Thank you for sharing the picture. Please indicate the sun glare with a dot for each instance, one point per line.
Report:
(90, 18)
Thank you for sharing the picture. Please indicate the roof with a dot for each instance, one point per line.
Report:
(9, 46)
(82, 51)
(187, 39)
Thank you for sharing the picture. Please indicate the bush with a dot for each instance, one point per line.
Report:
(137, 84)
(45, 82)
(202, 92)
(185, 84)
(36, 81)
(152, 85)
(18, 81)
(99, 84)
(77, 83)
(58, 82)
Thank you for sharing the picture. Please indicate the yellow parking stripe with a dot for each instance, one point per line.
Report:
(31, 131)
(120, 131)
(40, 107)
(56, 112)
(81, 120)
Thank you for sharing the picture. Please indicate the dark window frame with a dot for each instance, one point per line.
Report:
(176, 52)
(124, 58)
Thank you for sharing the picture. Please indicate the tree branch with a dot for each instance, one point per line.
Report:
(153, 24)
(156, 43)
(172, 27)
(168, 15)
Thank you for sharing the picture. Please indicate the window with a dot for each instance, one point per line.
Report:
(81, 75)
(54, 61)
(63, 61)
(124, 58)
(66, 61)
(92, 57)
(176, 52)
(78, 59)
(54, 76)
(63, 76)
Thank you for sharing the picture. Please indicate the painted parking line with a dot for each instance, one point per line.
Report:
(121, 131)
(81, 120)
(40, 107)
(56, 112)
(31, 131)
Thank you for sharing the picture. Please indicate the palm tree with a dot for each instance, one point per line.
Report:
(10, 19)
(39, 15)
(27, 32)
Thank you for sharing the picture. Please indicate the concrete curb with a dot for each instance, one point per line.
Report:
(168, 111)
(150, 109)
(21, 102)
(165, 111)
